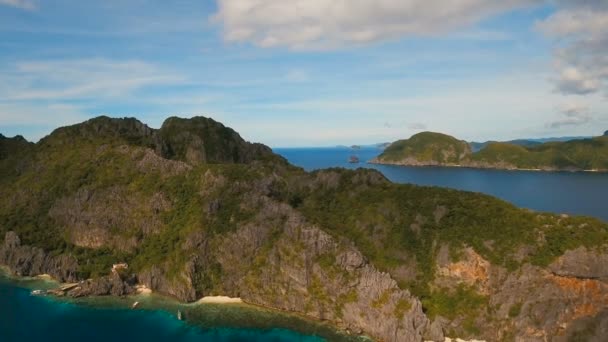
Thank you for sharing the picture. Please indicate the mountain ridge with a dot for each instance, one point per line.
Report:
(397, 262)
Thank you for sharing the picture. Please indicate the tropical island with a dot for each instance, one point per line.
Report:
(436, 149)
(192, 210)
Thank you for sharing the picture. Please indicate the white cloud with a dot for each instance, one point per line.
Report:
(327, 24)
(78, 79)
(23, 4)
(580, 29)
(414, 126)
(53, 115)
(572, 114)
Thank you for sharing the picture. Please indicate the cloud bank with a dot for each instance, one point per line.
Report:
(580, 30)
(572, 115)
(22, 4)
(329, 24)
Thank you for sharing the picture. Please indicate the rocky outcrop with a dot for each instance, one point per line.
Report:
(111, 285)
(532, 303)
(581, 263)
(202, 140)
(32, 261)
(180, 286)
(300, 268)
(91, 218)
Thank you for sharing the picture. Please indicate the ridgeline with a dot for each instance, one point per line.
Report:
(195, 210)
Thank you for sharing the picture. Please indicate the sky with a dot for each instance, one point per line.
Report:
(310, 72)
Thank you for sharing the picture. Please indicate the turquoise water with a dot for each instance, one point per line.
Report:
(33, 318)
(577, 193)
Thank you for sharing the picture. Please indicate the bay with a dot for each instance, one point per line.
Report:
(575, 193)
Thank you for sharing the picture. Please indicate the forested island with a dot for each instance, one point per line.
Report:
(436, 149)
(194, 210)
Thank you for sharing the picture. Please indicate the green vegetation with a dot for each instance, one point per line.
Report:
(461, 302)
(403, 306)
(382, 300)
(428, 147)
(515, 310)
(377, 216)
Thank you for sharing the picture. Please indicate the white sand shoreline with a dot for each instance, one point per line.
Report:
(219, 300)
(143, 290)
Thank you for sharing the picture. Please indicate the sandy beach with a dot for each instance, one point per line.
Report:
(143, 290)
(219, 300)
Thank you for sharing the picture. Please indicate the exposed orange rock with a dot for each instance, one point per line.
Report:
(589, 295)
(472, 270)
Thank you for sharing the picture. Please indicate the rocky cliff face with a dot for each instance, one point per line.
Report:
(31, 261)
(195, 211)
(532, 304)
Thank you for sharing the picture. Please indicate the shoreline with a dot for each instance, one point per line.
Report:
(485, 167)
(219, 300)
(147, 299)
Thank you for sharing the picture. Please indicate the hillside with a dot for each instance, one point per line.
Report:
(477, 146)
(572, 155)
(195, 210)
(11, 147)
(427, 148)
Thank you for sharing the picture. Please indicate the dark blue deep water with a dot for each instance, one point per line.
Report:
(576, 193)
(27, 318)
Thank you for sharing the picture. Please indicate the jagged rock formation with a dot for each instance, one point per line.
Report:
(435, 149)
(194, 210)
(30, 261)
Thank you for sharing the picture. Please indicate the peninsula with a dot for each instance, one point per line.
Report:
(436, 149)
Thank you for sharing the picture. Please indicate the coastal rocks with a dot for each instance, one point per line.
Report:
(113, 285)
(31, 261)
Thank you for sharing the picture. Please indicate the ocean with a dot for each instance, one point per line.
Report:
(575, 193)
(24, 318)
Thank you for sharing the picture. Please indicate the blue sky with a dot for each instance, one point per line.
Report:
(309, 72)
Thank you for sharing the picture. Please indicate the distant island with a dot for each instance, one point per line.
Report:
(476, 146)
(436, 149)
(112, 207)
